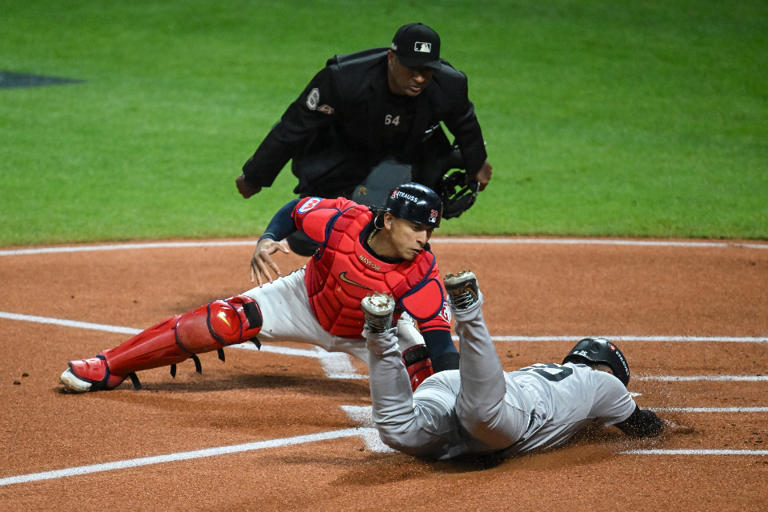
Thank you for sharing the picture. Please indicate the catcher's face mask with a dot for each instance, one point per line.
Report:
(458, 193)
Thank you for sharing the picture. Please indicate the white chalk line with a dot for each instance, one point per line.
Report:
(696, 452)
(694, 378)
(714, 410)
(174, 457)
(124, 247)
(631, 337)
(439, 240)
(68, 323)
(336, 365)
(591, 241)
(363, 416)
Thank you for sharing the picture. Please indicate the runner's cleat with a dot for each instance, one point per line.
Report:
(462, 289)
(378, 309)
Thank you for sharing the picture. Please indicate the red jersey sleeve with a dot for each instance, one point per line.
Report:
(312, 214)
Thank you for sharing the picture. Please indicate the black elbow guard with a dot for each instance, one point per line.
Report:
(642, 423)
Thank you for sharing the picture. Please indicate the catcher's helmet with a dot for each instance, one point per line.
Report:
(417, 203)
(599, 350)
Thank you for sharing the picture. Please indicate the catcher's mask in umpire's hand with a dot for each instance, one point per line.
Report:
(458, 193)
(417, 203)
(599, 350)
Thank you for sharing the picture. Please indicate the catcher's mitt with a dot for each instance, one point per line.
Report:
(457, 192)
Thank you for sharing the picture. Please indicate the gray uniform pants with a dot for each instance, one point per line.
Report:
(452, 412)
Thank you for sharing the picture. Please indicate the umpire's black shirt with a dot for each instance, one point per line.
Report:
(347, 120)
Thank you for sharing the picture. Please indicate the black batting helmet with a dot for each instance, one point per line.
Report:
(599, 350)
(417, 203)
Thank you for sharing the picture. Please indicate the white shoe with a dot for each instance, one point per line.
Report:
(408, 334)
(73, 384)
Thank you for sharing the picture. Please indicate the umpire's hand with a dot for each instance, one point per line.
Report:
(483, 176)
(262, 262)
(244, 188)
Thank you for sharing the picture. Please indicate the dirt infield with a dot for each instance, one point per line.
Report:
(267, 430)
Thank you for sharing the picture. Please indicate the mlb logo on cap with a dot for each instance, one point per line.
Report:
(422, 47)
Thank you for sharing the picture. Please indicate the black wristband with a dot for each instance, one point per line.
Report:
(446, 361)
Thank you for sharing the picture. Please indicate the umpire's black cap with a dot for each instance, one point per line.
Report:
(417, 46)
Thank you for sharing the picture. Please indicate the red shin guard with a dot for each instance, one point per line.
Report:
(207, 328)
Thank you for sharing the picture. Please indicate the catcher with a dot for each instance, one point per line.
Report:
(373, 119)
(361, 252)
(480, 409)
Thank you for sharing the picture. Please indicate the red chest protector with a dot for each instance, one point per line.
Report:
(343, 272)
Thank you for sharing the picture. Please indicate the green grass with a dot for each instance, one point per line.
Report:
(646, 119)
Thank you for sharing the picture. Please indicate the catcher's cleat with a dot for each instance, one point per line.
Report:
(89, 375)
(73, 383)
(462, 289)
(378, 309)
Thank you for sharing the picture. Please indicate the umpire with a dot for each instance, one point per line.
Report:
(371, 120)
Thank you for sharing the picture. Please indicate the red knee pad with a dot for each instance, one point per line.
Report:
(250, 316)
(418, 364)
(220, 323)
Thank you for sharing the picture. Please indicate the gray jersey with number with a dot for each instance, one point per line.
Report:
(562, 399)
(548, 404)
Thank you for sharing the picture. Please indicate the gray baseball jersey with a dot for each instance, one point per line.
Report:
(480, 408)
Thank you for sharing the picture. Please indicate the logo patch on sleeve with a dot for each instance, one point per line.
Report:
(311, 203)
(313, 99)
(445, 313)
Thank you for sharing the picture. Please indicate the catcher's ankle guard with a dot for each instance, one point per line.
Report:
(418, 364)
(96, 372)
